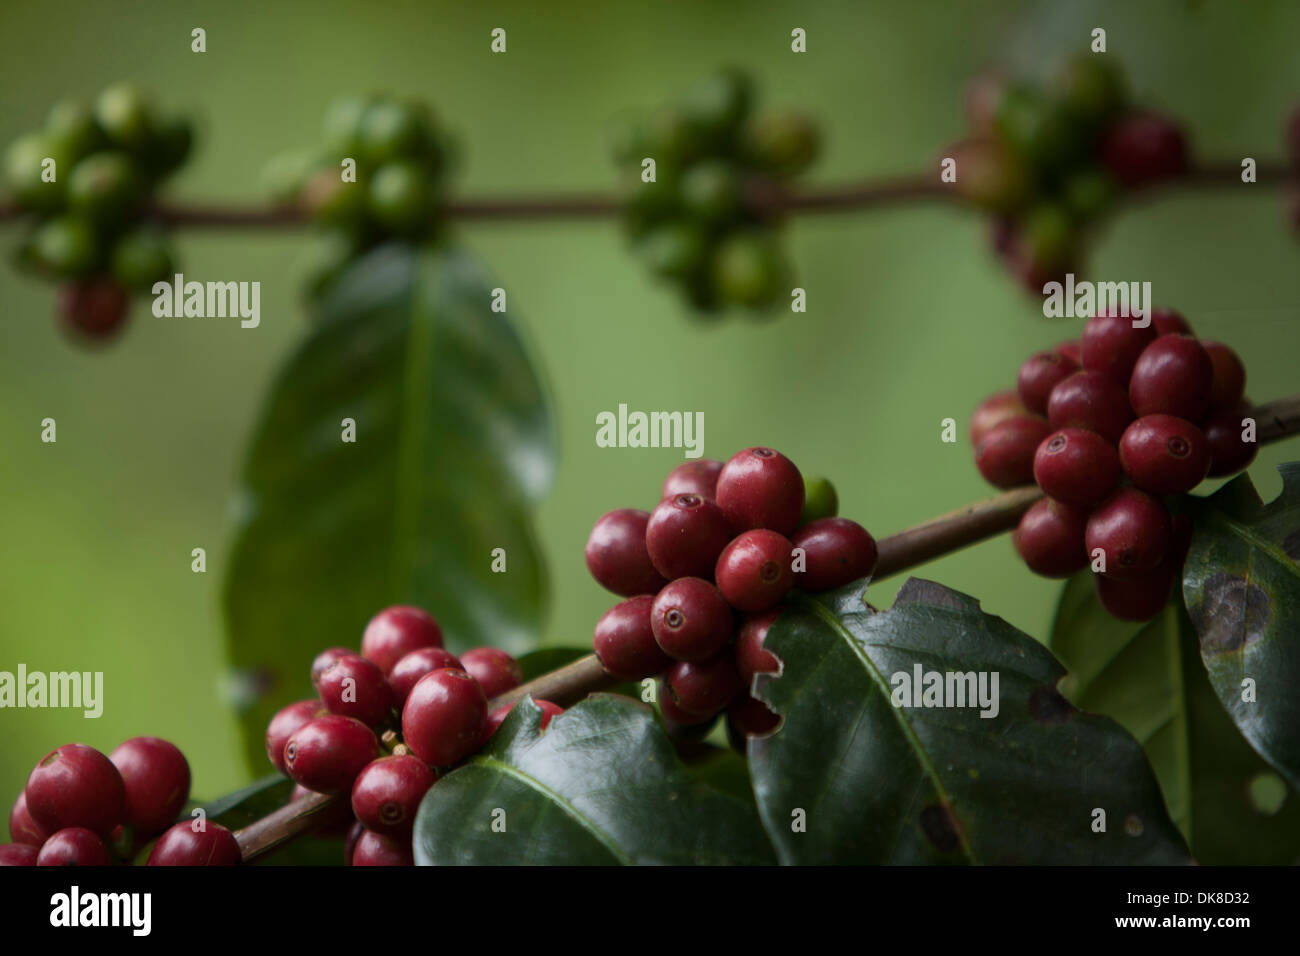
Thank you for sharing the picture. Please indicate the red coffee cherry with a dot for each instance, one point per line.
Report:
(498, 716)
(1005, 457)
(992, 412)
(1173, 376)
(93, 309)
(214, 845)
(494, 669)
(1076, 467)
(685, 535)
(415, 665)
(836, 551)
(690, 620)
(1111, 345)
(1139, 598)
(74, 846)
(387, 793)
(625, 641)
(375, 849)
(761, 488)
(754, 573)
(326, 754)
(444, 717)
(283, 726)
(1072, 350)
(704, 687)
(22, 828)
(156, 777)
(1229, 379)
(1092, 401)
(1169, 322)
(396, 631)
(350, 841)
(76, 786)
(1142, 148)
(1223, 430)
(1164, 455)
(699, 477)
(1041, 373)
(1049, 538)
(1132, 530)
(751, 657)
(675, 718)
(617, 557)
(322, 661)
(355, 687)
(18, 854)
(750, 717)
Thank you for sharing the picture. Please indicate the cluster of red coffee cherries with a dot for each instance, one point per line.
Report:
(703, 575)
(386, 721)
(1112, 427)
(81, 808)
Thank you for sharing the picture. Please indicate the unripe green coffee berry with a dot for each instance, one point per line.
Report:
(24, 167)
(675, 250)
(819, 500)
(783, 144)
(169, 149)
(749, 270)
(66, 246)
(718, 104)
(1089, 193)
(391, 129)
(342, 125)
(332, 201)
(1049, 235)
(670, 140)
(124, 114)
(401, 197)
(74, 125)
(1092, 89)
(286, 174)
(711, 191)
(1041, 131)
(991, 175)
(105, 187)
(140, 258)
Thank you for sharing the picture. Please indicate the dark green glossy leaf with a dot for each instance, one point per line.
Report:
(453, 447)
(601, 785)
(1150, 678)
(872, 782)
(1241, 583)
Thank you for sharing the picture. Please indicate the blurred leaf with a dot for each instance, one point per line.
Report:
(546, 659)
(453, 446)
(601, 785)
(1242, 587)
(1149, 677)
(878, 783)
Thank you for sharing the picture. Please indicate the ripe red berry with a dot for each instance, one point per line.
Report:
(156, 777)
(76, 786)
(375, 849)
(751, 657)
(1169, 322)
(214, 845)
(1132, 530)
(1141, 148)
(74, 846)
(754, 572)
(836, 551)
(690, 619)
(1173, 376)
(1223, 429)
(1111, 345)
(283, 726)
(1005, 457)
(444, 717)
(18, 854)
(1229, 380)
(396, 631)
(1164, 455)
(704, 687)
(1076, 467)
(93, 309)
(761, 488)
(750, 717)
(1039, 375)
(324, 659)
(387, 793)
(617, 557)
(415, 665)
(677, 719)
(1138, 598)
(1049, 538)
(22, 828)
(991, 412)
(625, 641)
(326, 754)
(685, 535)
(1092, 401)
(494, 669)
(699, 477)
(355, 687)
(1072, 350)
(350, 841)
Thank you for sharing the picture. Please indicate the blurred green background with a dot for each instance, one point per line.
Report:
(910, 318)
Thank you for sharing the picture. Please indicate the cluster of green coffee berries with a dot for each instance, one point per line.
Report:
(692, 175)
(1049, 162)
(86, 179)
(379, 174)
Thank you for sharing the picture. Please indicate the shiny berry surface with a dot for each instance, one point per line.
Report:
(754, 572)
(1076, 467)
(690, 620)
(761, 488)
(396, 631)
(616, 554)
(625, 643)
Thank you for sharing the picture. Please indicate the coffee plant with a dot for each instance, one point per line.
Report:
(438, 732)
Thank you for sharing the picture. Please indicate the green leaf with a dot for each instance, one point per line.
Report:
(453, 446)
(237, 810)
(872, 782)
(601, 785)
(1241, 583)
(546, 659)
(1149, 677)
